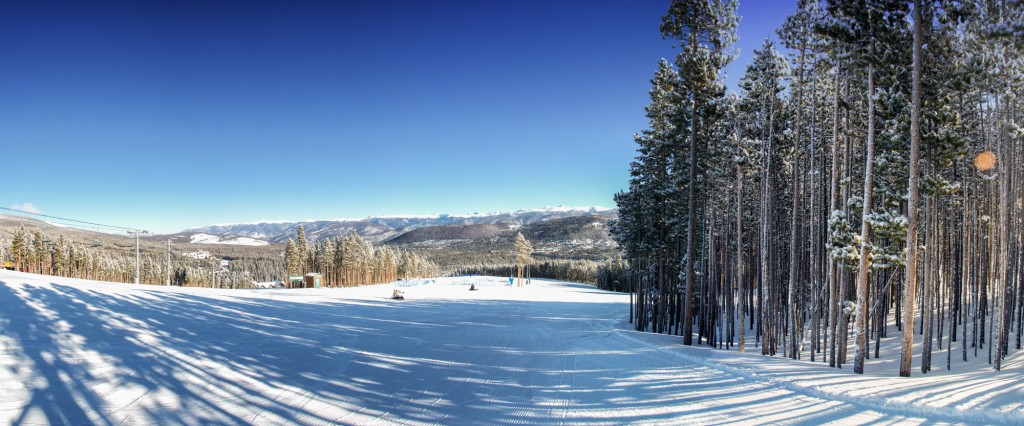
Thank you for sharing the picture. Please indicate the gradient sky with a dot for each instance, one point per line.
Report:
(166, 115)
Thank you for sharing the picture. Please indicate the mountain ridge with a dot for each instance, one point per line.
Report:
(378, 229)
(547, 209)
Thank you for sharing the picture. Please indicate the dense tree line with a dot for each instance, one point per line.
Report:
(347, 261)
(41, 252)
(888, 121)
(610, 275)
(343, 261)
(351, 261)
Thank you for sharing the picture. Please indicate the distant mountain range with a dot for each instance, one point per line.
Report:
(453, 242)
(584, 237)
(201, 238)
(399, 229)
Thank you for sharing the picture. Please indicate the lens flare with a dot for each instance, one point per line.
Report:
(985, 161)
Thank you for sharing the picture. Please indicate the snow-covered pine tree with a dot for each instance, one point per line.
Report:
(303, 249)
(869, 30)
(292, 259)
(523, 251)
(760, 109)
(743, 153)
(39, 252)
(338, 270)
(58, 258)
(19, 247)
(643, 227)
(798, 34)
(706, 31)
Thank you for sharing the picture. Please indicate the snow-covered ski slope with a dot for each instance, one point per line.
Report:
(82, 352)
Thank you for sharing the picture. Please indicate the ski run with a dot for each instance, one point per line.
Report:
(84, 352)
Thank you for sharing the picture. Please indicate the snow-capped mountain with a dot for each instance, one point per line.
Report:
(381, 228)
(207, 238)
(218, 239)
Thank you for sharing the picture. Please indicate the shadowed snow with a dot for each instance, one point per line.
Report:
(82, 352)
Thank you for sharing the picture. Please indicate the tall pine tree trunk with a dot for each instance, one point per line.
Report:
(833, 275)
(766, 204)
(931, 258)
(792, 295)
(860, 326)
(691, 234)
(740, 282)
(999, 336)
(915, 199)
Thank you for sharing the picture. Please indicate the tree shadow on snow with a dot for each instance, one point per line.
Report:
(153, 356)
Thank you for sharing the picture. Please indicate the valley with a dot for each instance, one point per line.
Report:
(450, 244)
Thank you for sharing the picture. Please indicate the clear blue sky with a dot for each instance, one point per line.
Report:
(170, 114)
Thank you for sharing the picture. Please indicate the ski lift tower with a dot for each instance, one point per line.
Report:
(135, 233)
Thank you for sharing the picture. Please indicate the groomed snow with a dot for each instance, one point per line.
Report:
(82, 352)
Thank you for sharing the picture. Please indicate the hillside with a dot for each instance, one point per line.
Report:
(557, 235)
(193, 256)
(477, 249)
(580, 231)
(92, 238)
(429, 234)
(589, 229)
(85, 237)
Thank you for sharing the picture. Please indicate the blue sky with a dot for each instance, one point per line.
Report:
(166, 115)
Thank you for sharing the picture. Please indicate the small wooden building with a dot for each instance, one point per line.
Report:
(314, 280)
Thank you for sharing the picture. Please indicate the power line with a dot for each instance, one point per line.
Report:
(70, 220)
(132, 231)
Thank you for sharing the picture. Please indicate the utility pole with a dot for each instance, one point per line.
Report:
(168, 262)
(213, 278)
(136, 233)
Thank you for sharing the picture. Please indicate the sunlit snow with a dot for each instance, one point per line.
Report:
(82, 352)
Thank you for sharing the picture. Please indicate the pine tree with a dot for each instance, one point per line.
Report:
(706, 30)
(914, 197)
(338, 262)
(888, 133)
(19, 247)
(39, 252)
(760, 111)
(523, 251)
(58, 260)
(868, 29)
(647, 239)
(304, 252)
(292, 259)
(743, 155)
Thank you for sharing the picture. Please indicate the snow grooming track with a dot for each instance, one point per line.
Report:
(930, 414)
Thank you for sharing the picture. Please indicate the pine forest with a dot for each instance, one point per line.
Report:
(862, 182)
(344, 261)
